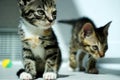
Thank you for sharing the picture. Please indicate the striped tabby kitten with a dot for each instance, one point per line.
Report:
(89, 39)
(41, 54)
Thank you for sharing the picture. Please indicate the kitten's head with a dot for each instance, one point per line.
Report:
(94, 40)
(40, 13)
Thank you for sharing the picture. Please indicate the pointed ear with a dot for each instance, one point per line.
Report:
(87, 30)
(106, 27)
(23, 3)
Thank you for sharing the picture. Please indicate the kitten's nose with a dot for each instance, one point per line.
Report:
(102, 55)
(50, 20)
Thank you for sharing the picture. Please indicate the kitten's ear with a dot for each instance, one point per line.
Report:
(106, 27)
(23, 3)
(87, 30)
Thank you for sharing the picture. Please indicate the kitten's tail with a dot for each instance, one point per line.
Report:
(71, 22)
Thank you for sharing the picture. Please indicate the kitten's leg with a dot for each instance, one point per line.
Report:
(30, 71)
(29, 65)
(81, 57)
(52, 66)
(91, 67)
(72, 58)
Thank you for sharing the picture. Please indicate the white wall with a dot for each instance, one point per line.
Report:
(66, 9)
(101, 12)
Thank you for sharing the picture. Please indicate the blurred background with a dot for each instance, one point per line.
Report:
(100, 11)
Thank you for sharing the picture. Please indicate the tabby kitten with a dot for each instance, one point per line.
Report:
(41, 53)
(89, 39)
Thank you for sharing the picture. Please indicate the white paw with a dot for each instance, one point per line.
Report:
(49, 76)
(25, 76)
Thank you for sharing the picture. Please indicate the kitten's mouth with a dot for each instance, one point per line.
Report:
(96, 56)
(48, 24)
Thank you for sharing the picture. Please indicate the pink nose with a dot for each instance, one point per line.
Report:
(102, 54)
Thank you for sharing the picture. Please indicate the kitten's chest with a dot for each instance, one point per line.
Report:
(33, 42)
(36, 46)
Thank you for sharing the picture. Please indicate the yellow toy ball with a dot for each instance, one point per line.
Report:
(6, 63)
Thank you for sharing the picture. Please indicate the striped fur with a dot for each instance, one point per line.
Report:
(38, 12)
(89, 39)
(41, 53)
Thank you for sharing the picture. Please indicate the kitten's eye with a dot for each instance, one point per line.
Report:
(95, 47)
(54, 13)
(30, 12)
(40, 12)
(106, 47)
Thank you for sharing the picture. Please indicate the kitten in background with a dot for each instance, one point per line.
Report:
(41, 54)
(90, 40)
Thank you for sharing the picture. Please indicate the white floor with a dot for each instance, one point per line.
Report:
(107, 72)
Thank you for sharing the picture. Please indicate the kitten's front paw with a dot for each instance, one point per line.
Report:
(25, 76)
(82, 68)
(93, 71)
(49, 76)
(73, 64)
